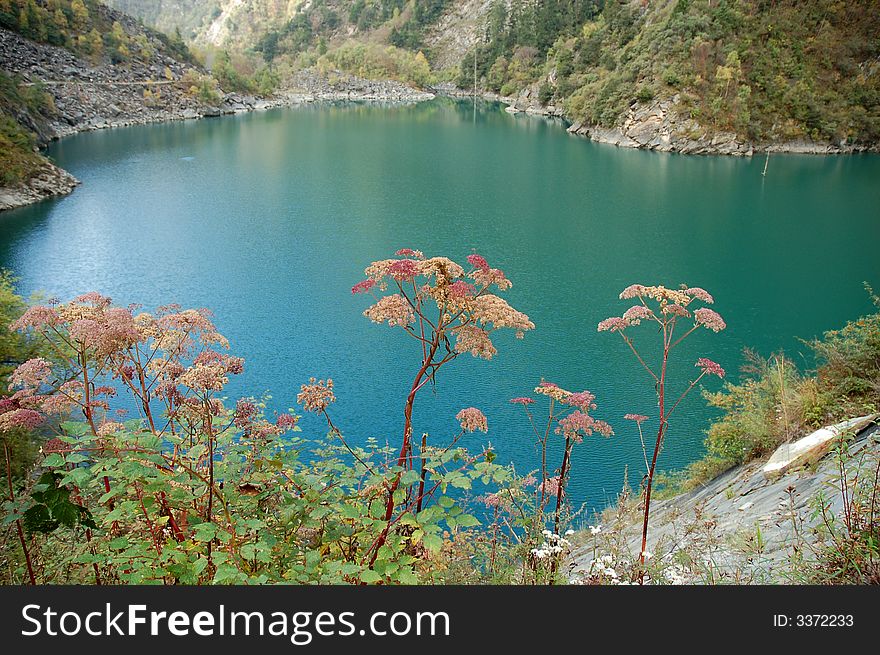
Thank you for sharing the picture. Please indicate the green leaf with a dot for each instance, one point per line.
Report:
(433, 542)
(370, 577)
(467, 521)
(74, 428)
(205, 532)
(39, 519)
(445, 502)
(66, 513)
(406, 576)
(119, 543)
(53, 460)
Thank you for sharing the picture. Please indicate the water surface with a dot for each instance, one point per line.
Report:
(269, 218)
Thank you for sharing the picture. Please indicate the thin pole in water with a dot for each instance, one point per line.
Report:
(766, 162)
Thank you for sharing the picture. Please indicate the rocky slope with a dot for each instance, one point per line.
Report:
(746, 521)
(88, 94)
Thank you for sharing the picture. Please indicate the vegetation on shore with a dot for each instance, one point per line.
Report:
(774, 402)
(19, 106)
(766, 71)
(146, 474)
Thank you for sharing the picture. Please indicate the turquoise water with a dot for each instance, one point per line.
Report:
(269, 218)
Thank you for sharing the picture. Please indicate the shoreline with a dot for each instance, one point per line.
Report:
(656, 126)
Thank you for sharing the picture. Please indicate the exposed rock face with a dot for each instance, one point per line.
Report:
(456, 32)
(661, 125)
(91, 96)
(309, 85)
(49, 181)
(750, 516)
(811, 448)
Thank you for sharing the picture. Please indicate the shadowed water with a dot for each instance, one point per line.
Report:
(269, 219)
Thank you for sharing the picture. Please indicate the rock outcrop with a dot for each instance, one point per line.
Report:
(91, 95)
(662, 125)
(811, 448)
(49, 181)
(749, 519)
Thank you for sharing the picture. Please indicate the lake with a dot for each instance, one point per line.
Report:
(269, 219)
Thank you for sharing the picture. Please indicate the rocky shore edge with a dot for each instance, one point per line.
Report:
(659, 126)
(91, 96)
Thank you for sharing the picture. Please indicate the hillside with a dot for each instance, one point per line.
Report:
(68, 66)
(687, 75)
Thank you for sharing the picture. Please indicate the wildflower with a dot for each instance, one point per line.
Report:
(460, 290)
(286, 421)
(524, 401)
(583, 400)
(210, 371)
(700, 294)
(245, 412)
(108, 428)
(26, 419)
(478, 261)
(472, 419)
(552, 390)
(491, 309)
(36, 317)
(409, 252)
(31, 374)
(569, 532)
(316, 396)
(635, 314)
(709, 367)
(578, 424)
(595, 529)
(710, 319)
(613, 324)
(485, 277)
(675, 310)
(442, 269)
(632, 291)
(474, 340)
(55, 445)
(638, 418)
(404, 270)
(363, 286)
(394, 309)
(496, 500)
(647, 555)
(550, 486)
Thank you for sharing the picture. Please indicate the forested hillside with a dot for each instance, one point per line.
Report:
(766, 71)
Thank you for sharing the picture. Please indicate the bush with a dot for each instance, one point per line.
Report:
(849, 360)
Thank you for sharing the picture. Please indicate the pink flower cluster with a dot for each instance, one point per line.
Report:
(578, 425)
(472, 419)
(316, 396)
(26, 419)
(672, 304)
(393, 309)
(363, 286)
(709, 319)
(550, 486)
(638, 418)
(709, 367)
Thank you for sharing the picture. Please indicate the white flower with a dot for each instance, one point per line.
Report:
(569, 532)
(595, 529)
(647, 555)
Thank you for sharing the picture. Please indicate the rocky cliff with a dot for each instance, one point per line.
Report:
(745, 525)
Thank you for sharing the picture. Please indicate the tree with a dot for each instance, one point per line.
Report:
(80, 15)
